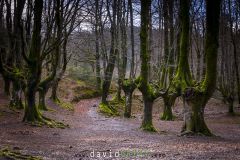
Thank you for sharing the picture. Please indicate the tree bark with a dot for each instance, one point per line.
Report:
(195, 99)
(42, 104)
(194, 117)
(97, 65)
(143, 80)
(147, 116)
(31, 111)
(128, 88)
(34, 66)
(7, 84)
(16, 99)
(54, 96)
(168, 104)
(112, 57)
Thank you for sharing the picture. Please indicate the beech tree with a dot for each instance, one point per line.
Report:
(148, 92)
(113, 52)
(129, 84)
(197, 95)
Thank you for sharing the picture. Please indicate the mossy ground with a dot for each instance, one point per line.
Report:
(85, 92)
(66, 105)
(14, 155)
(108, 109)
(115, 107)
(44, 121)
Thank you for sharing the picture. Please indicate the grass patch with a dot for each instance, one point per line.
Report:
(14, 155)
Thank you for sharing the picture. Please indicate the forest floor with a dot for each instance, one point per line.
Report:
(91, 133)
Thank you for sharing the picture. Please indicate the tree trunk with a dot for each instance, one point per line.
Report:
(97, 65)
(128, 105)
(230, 107)
(236, 70)
(230, 101)
(113, 54)
(54, 96)
(31, 111)
(42, 104)
(34, 65)
(198, 76)
(143, 80)
(195, 99)
(128, 88)
(16, 99)
(194, 118)
(7, 84)
(168, 104)
(119, 90)
(147, 116)
(132, 39)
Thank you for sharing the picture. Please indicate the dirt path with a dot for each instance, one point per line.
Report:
(90, 131)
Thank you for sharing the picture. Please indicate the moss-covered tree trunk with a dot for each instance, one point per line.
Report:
(34, 66)
(16, 98)
(112, 57)
(31, 111)
(183, 76)
(97, 56)
(129, 84)
(147, 116)
(194, 116)
(128, 104)
(143, 80)
(197, 97)
(128, 88)
(168, 97)
(166, 45)
(42, 104)
(169, 100)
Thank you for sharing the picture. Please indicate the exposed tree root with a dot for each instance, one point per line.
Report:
(13, 155)
(66, 105)
(148, 127)
(108, 110)
(189, 133)
(165, 117)
(44, 121)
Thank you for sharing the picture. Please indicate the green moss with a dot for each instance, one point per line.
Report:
(43, 107)
(108, 110)
(44, 121)
(148, 127)
(167, 117)
(66, 105)
(81, 92)
(81, 83)
(13, 155)
(55, 100)
(115, 100)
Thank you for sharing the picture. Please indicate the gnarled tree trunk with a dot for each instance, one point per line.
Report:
(197, 97)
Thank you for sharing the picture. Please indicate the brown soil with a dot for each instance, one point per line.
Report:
(89, 130)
